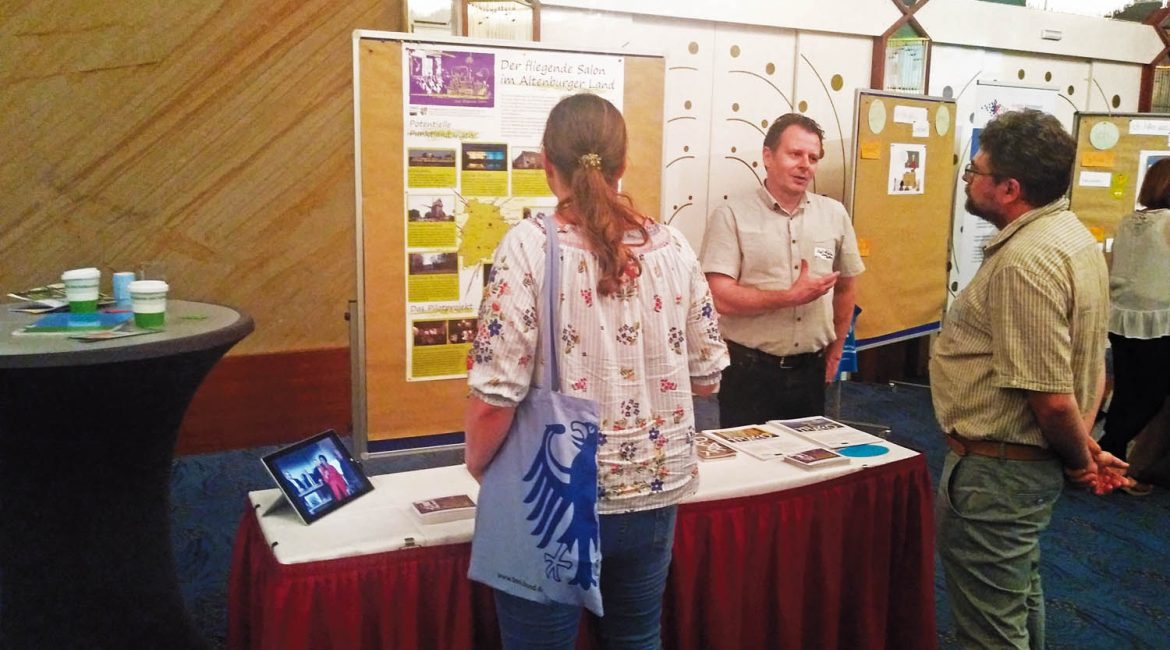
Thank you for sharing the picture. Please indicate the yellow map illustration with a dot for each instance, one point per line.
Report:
(482, 232)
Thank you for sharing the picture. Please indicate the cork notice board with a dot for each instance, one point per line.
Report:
(1112, 152)
(903, 191)
(389, 408)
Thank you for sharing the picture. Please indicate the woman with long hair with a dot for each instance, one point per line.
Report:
(1139, 316)
(638, 335)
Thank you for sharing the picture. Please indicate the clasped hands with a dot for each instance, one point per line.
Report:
(1103, 475)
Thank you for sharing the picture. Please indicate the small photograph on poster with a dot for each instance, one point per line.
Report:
(439, 347)
(483, 156)
(430, 221)
(432, 277)
(528, 178)
(538, 211)
(452, 77)
(1146, 159)
(430, 167)
(485, 169)
(427, 208)
(907, 168)
(429, 332)
(432, 263)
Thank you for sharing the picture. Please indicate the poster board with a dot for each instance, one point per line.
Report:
(903, 189)
(399, 403)
(1113, 152)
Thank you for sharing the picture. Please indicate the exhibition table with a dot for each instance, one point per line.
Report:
(87, 434)
(766, 555)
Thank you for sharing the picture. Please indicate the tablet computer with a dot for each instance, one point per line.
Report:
(317, 475)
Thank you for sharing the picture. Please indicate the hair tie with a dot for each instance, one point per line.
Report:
(589, 161)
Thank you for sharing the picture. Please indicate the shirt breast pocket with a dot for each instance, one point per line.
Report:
(824, 257)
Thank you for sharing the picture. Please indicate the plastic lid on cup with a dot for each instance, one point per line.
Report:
(148, 286)
(81, 274)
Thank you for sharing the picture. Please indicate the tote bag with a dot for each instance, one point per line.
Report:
(536, 529)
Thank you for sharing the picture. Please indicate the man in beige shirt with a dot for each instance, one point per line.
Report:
(781, 264)
(1016, 377)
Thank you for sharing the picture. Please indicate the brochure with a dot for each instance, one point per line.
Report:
(70, 323)
(440, 509)
(708, 448)
(760, 441)
(825, 432)
(816, 457)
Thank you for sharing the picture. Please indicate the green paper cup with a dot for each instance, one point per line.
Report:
(148, 299)
(81, 289)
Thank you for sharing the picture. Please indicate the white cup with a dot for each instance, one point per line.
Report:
(81, 289)
(148, 299)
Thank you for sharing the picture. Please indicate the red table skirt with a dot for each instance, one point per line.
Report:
(846, 563)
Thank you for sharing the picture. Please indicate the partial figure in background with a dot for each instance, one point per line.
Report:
(1016, 377)
(781, 263)
(639, 334)
(1139, 316)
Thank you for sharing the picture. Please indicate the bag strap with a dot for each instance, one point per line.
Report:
(551, 377)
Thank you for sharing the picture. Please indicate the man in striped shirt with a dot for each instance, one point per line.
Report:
(1016, 379)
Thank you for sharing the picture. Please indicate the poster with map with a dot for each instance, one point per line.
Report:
(474, 119)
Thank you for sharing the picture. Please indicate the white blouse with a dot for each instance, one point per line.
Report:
(635, 353)
(1139, 280)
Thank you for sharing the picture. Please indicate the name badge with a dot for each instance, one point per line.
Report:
(823, 253)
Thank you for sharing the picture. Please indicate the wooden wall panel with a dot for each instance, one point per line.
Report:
(214, 137)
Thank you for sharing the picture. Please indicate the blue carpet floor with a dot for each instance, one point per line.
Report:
(1106, 560)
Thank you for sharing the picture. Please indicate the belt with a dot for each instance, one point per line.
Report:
(996, 449)
(790, 362)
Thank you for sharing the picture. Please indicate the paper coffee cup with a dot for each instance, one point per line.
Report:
(81, 289)
(148, 299)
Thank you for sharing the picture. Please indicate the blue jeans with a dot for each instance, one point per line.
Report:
(635, 559)
(990, 514)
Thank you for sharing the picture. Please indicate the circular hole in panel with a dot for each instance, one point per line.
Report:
(735, 107)
(1071, 90)
(686, 148)
(734, 51)
(956, 160)
(837, 82)
(1116, 101)
(770, 68)
(693, 48)
(687, 104)
(948, 92)
(691, 197)
(733, 150)
(764, 123)
(802, 106)
(1020, 73)
(755, 164)
(1047, 76)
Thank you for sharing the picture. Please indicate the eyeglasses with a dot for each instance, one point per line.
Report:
(970, 170)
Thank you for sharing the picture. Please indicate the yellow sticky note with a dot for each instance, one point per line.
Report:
(871, 150)
(1097, 159)
(863, 247)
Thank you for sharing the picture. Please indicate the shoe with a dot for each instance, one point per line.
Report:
(1137, 488)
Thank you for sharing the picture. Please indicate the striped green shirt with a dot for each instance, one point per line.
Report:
(1034, 318)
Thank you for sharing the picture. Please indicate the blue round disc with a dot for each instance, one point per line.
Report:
(863, 451)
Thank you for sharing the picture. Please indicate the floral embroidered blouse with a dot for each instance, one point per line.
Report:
(635, 353)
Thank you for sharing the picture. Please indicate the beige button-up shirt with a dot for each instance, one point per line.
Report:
(1033, 319)
(753, 240)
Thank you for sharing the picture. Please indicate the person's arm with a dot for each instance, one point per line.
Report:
(1063, 425)
(485, 426)
(844, 298)
(733, 298)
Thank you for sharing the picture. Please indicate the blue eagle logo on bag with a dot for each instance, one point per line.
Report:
(561, 491)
